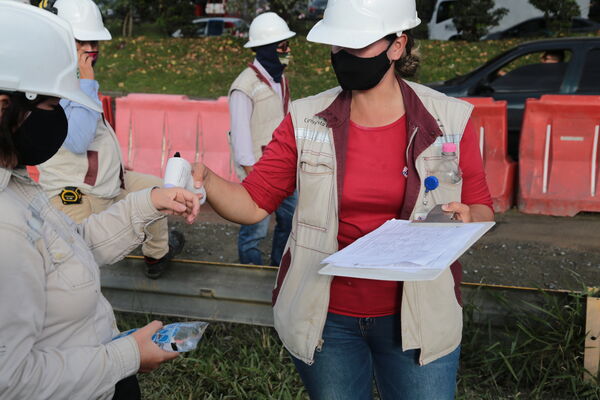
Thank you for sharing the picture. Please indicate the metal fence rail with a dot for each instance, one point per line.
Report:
(242, 293)
(194, 289)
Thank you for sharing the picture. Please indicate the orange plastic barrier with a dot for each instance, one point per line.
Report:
(107, 107)
(489, 120)
(558, 155)
(33, 173)
(152, 127)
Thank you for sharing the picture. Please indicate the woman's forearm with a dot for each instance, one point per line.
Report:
(231, 200)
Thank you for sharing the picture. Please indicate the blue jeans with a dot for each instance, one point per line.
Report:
(251, 235)
(356, 350)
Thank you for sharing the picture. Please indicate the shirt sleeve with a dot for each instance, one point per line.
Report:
(83, 121)
(273, 177)
(474, 188)
(30, 370)
(240, 107)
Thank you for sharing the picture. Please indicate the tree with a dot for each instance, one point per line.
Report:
(178, 14)
(293, 12)
(473, 18)
(557, 13)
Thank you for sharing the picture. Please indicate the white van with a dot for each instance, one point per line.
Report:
(441, 26)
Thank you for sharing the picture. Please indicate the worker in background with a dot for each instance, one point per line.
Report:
(258, 101)
(86, 176)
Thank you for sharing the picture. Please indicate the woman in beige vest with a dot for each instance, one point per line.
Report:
(57, 327)
(359, 155)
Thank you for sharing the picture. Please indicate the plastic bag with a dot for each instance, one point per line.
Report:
(178, 337)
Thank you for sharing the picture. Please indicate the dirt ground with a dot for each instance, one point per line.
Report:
(521, 250)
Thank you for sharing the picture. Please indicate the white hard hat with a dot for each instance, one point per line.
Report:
(85, 19)
(358, 23)
(38, 54)
(268, 28)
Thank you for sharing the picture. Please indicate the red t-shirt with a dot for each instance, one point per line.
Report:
(370, 198)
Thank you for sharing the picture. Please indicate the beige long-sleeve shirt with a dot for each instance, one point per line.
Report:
(55, 325)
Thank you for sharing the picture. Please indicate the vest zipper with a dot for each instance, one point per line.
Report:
(412, 137)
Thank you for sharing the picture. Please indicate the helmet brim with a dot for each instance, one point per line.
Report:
(85, 36)
(355, 39)
(257, 43)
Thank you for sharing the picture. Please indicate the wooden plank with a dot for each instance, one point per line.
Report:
(591, 356)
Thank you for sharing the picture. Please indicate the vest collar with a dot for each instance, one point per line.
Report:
(5, 175)
(416, 113)
(20, 173)
(263, 75)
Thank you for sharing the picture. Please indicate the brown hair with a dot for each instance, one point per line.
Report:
(408, 65)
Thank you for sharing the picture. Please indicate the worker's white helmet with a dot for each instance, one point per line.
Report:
(358, 23)
(38, 54)
(268, 28)
(85, 19)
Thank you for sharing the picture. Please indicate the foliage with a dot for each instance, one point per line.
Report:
(558, 13)
(293, 12)
(168, 15)
(473, 18)
(424, 11)
(178, 15)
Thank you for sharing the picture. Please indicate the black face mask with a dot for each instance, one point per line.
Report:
(41, 135)
(357, 73)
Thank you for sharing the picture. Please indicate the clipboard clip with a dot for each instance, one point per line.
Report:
(436, 214)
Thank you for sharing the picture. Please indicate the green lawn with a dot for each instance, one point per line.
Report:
(205, 67)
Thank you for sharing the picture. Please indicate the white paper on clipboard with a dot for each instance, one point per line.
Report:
(404, 251)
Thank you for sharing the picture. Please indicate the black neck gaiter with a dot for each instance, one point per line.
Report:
(268, 58)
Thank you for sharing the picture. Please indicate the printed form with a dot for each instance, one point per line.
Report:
(405, 251)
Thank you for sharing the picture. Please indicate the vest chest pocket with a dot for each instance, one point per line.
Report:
(68, 267)
(315, 189)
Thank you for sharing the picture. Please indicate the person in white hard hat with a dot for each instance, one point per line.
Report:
(57, 327)
(87, 174)
(258, 101)
(359, 156)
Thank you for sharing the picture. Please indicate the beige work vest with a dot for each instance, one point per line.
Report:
(267, 111)
(431, 317)
(96, 173)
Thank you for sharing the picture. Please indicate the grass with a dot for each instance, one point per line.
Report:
(538, 356)
(206, 67)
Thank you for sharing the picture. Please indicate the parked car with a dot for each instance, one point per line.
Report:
(316, 8)
(524, 72)
(217, 26)
(537, 27)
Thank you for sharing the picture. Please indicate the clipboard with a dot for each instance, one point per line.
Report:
(436, 214)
